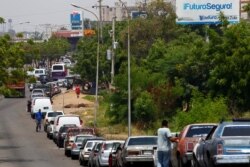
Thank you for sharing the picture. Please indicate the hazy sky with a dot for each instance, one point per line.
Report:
(41, 12)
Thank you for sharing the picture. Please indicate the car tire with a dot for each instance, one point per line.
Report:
(80, 162)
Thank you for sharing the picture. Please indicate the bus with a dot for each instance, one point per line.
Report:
(58, 71)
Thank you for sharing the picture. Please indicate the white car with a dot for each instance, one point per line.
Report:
(50, 118)
(36, 91)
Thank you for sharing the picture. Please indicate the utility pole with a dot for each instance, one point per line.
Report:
(113, 51)
(100, 6)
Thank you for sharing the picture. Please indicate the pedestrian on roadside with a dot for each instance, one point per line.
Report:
(38, 118)
(164, 144)
(77, 90)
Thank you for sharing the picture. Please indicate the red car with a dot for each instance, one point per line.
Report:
(188, 137)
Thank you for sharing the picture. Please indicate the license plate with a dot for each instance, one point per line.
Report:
(45, 108)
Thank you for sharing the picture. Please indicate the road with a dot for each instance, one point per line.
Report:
(20, 145)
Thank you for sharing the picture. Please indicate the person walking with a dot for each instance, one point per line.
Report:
(164, 144)
(78, 91)
(38, 117)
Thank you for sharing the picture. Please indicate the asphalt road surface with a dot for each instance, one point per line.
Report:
(21, 145)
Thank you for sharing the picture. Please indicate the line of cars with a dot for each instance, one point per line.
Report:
(200, 145)
(213, 144)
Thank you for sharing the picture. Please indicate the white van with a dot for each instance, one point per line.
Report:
(41, 103)
(61, 120)
(37, 72)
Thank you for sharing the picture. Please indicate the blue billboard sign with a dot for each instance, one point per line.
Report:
(75, 20)
(207, 11)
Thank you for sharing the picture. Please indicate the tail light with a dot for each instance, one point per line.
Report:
(189, 146)
(46, 120)
(219, 149)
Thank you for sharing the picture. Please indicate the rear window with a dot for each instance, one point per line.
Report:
(199, 130)
(80, 138)
(90, 145)
(108, 146)
(143, 141)
(236, 131)
(54, 114)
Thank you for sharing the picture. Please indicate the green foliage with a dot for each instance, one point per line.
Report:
(204, 109)
(144, 111)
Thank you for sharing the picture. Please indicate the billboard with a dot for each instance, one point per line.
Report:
(75, 20)
(206, 11)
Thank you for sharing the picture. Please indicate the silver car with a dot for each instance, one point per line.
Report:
(102, 158)
(77, 144)
(87, 146)
(138, 150)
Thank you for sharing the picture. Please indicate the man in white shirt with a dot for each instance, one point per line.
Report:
(164, 144)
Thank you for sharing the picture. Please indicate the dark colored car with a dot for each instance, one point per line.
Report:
(62, 134)
(228, 144)
(44, 78)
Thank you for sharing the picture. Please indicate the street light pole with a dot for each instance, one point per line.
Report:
(129, 82)
(97, 60)
(113, 51)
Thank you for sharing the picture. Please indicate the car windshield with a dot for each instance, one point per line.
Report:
(143, 141)
(199, 130)
(236, 131)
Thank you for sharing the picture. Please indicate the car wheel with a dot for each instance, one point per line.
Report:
(67, 153)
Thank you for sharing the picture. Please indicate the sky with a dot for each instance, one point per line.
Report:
(36, 15)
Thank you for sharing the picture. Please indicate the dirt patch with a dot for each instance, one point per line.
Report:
(69, 103)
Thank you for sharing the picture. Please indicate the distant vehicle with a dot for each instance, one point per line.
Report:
(62, 132)
(43, 103)
(62, 82)
(37, 72)
(58, 71)
(44, 78)
(70, 137)
(37, 91)
(67, 62)
(15, 89)
(77, 144)
(138, 150)
(227, 144)
(61, 120)
(188, 137)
